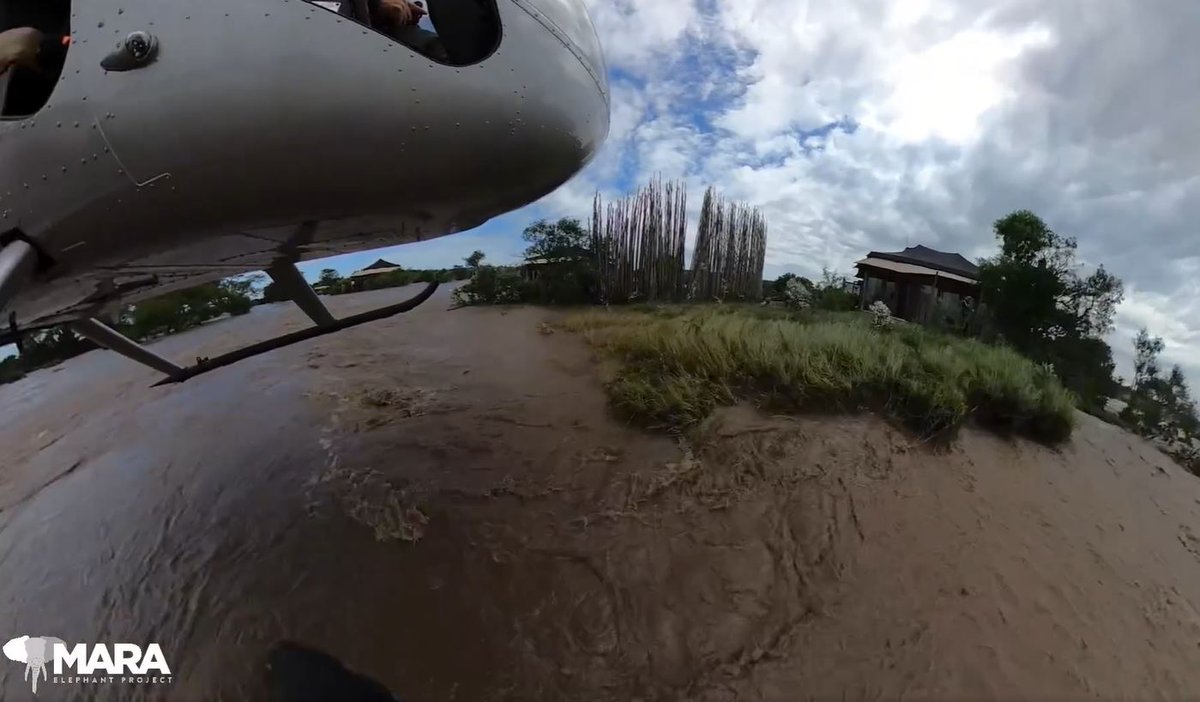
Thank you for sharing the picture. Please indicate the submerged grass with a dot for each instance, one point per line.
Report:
(679, 364)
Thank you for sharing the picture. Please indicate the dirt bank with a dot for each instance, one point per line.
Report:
(443, 502)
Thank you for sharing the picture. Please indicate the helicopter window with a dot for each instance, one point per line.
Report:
(25, 90)
(452, 32)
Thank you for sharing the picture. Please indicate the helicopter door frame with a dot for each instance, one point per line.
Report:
(358, 11)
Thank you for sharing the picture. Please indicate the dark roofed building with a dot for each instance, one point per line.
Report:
(380, 263)
(358, 280)
(919, 283)
(379, 267)
(932, 258)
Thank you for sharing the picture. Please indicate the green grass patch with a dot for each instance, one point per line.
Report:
(680, 363)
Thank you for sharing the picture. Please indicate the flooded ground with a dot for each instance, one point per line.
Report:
(442, 501)
(310, 494)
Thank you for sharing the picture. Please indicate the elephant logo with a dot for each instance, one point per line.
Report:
(35, 652)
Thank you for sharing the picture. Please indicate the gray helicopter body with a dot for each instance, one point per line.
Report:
(232, 135)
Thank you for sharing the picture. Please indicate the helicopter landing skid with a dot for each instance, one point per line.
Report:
(116, 341)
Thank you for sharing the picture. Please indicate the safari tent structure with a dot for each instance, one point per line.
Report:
(358, 280)
(379, 267)
(919, 283)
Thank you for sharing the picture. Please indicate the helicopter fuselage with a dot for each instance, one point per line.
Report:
(256, 131)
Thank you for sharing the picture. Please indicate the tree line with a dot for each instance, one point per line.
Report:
(143, 321)
(831, 293)
(330, 282)
(565, 271)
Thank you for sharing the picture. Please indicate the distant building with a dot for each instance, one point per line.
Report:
(378, 268)
(535, 266)
(364, 279)
(919, 284)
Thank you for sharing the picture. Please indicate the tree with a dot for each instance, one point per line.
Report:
(1162, 407)
(1183, 410)
(779, 288)
(183, 309)
(490, 286)
(1146, 350)
(1085, 365)
(475, 259)
(566, 272)
(796, 294)
(234, 296)
(1092, 302)
(1025, 239)
(831, 294)
(50, 346)
(1040, 305)
(565, 238)
(329, 277)
(1022, 291)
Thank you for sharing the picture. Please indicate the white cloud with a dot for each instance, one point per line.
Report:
(633, 33)
(941, 91)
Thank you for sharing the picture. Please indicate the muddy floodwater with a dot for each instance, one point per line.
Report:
(309, 494)
(443, 502)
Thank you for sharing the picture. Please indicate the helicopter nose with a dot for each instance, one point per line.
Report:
(555, 100)
(571, 24)
(577, 107)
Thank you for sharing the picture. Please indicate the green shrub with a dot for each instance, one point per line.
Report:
(491, 286)
(11, 369)
(184, 309)
(678, 368)
(835, 300)
(567, 283)
(238, 305)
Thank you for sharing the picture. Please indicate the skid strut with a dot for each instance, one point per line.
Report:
(290, 280)
(279, 342)
(114, 340)
(18, 263)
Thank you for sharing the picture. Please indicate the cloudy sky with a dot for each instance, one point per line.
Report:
(875, 124)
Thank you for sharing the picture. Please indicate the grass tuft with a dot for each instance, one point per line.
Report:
(678, 364)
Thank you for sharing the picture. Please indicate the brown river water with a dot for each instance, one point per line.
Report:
(443, 503)
(282, 497)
